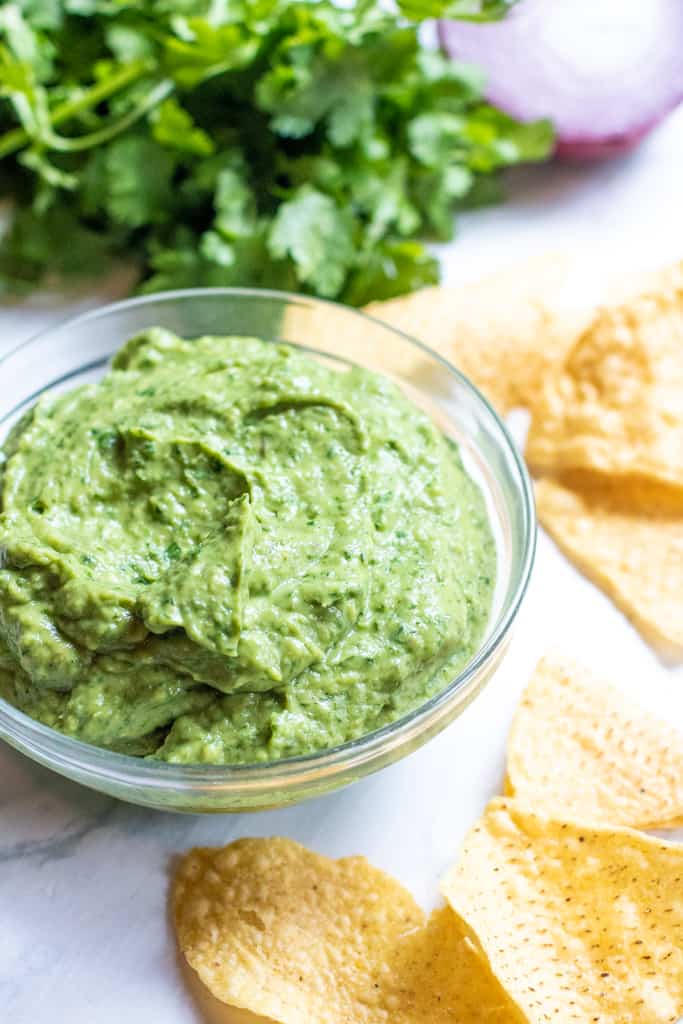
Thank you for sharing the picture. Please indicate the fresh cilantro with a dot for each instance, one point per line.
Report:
(316, 234)
(173, 127)
(297, 144)
(235, 205)
(138, 175)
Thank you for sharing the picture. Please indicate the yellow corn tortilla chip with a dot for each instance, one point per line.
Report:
(210, 1010)
(578, 748)
(438, 976)
(616, 405)
(628, 540)
(580, 924)
(278, 930)
(504, 332)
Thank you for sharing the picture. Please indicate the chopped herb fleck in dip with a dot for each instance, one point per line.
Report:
(227, 552)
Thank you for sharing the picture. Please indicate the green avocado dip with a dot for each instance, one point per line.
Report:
(226, 551)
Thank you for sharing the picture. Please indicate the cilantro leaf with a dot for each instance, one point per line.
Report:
(235, 205)
(317, 235)
(393, 267)
(173, 127)
(200, 50)
(137, 181)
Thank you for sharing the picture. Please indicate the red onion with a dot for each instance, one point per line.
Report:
(604, 71)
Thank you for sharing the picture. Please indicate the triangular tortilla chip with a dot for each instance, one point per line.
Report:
(580, 924)
(627, 543)
(579, 749)
(504, 332)
(281, 931)
(616, 405)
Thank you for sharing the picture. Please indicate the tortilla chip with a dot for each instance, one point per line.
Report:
(627, 540)
(275, 929)
(334, 329)
(438, 976)
(210, 1010)
(578, 748)
(504, 332)
(580, 924)
(616, 405)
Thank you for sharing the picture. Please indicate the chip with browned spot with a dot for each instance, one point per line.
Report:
(629, 540)
(283, 932)
(579, 923)
(616, 404)
(580, 749)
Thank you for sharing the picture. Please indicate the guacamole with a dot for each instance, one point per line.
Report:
(226, 551)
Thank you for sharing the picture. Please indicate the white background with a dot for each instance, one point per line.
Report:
(84, 935)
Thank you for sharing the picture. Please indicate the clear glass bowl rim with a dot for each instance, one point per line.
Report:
(59, 749)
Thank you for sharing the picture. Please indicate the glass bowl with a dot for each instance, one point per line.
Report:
(78, 351)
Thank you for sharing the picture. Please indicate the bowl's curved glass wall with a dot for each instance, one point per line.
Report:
(78, 351)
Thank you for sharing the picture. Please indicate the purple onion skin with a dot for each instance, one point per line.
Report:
(579, 148)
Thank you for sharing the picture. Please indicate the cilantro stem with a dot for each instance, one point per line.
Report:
(19, 137)
(151, 100)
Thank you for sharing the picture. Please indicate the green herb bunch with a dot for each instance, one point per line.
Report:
(279, 143)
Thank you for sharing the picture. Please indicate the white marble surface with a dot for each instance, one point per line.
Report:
(84, 935)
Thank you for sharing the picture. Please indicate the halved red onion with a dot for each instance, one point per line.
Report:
(604, 71)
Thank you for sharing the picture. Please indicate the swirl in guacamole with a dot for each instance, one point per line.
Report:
(227, 552)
